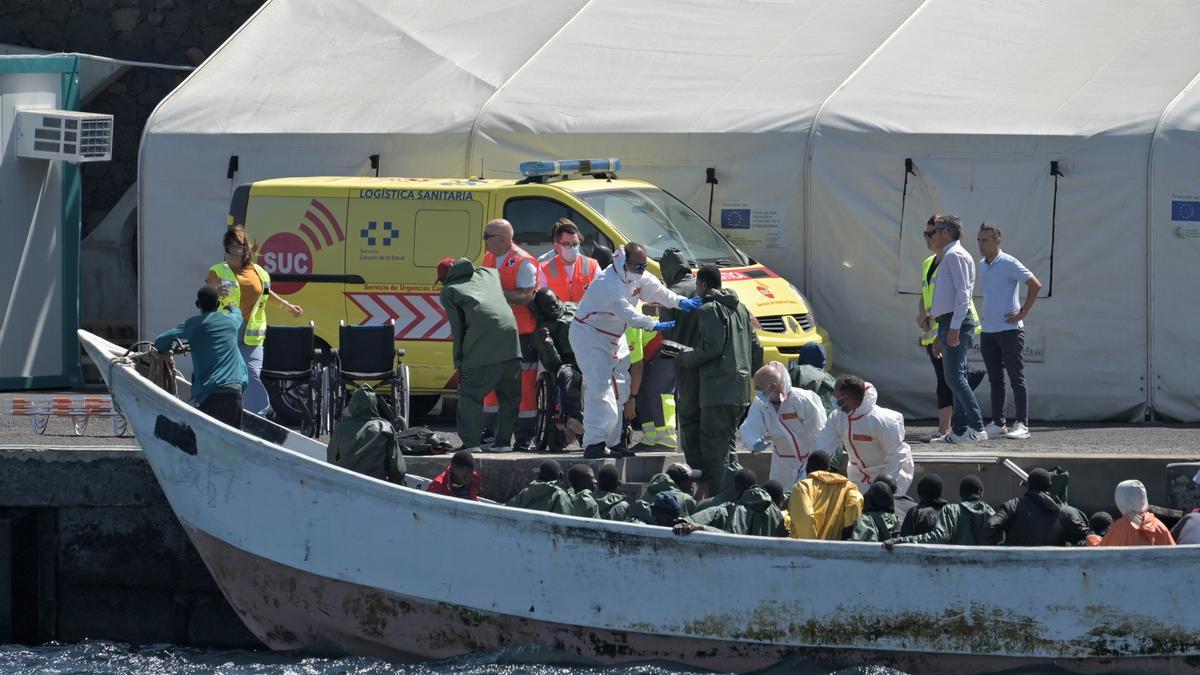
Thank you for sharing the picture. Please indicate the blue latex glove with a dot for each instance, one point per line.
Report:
(663, 325)
(761, 444)
(690, 304)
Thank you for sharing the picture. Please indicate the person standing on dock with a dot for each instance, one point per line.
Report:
(487, 349)
(955, 326)
(518, 272)
(1000, 276)
(725, 357)
(872, 435)
(218, 372)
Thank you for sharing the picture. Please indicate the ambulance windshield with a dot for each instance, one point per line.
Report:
(658, 221)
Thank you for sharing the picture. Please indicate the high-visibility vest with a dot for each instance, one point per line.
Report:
(508, 281)
(569, 288)
(256, 323)
(927, 282)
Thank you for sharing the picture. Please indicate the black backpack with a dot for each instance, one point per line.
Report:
(423, 441)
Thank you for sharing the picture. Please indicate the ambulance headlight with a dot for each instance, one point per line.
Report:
(569, 166)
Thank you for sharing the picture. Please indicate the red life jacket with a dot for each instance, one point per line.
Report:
(508, 281)
(570, 288)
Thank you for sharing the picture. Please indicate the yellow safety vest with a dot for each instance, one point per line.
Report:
(927, 282)
(256, 323)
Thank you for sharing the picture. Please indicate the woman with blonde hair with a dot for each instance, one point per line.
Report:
(244, 284)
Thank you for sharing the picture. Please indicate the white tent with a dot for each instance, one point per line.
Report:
(808, 112)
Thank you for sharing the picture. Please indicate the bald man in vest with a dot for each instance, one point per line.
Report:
(565, 269)
(519, 279)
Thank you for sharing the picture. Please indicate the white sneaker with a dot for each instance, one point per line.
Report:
(1019, 432)
(935, 436)
(503, 448)
(968, 436)
(995, 431)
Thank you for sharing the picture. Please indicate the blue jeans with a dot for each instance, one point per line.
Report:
(254, 398)
(954, 370)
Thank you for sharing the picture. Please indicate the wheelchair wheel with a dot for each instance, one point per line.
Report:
(547, 413)
(336, 395)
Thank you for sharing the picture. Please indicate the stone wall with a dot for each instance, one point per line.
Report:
(175, 32)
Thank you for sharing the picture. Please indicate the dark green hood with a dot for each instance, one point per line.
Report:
(460, 270)
(674, 267)
(755, 499)
(724, 297)
(363, 405)
(657, 484)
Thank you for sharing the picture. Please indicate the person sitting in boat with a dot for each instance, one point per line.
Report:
(824, 504)
(544, 493)
(460, 479)
(901, 502)
(1099, 524)
(552, 341)
(779, 497)
(961, 524)
(609, 499)
(872, 435)
(878, 521)
(365, 442)
(665, 509)
(923, 517)
(1187, 530)
(1136, 526)
(783, 419)
(1037, 518)
(680, 479)
(583, 482)
(752, 513)
(218, 371)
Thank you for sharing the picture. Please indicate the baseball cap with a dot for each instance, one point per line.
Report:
(684, 469)
(443, 268)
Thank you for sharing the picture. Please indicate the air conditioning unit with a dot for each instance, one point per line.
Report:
(64, 135)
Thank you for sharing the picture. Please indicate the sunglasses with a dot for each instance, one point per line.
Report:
(638, 267)
(929, 233)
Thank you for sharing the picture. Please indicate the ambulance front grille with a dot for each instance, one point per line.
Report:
(775, 324)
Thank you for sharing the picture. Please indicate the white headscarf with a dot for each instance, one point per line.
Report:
(1131, 499)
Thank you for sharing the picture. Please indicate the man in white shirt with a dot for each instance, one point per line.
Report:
(784, 419)
(956, 328)
(1003, 339)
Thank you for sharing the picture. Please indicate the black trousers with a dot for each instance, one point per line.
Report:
(1002, 354)
(225, 406)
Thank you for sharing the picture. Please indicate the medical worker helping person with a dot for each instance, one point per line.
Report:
(951, 308)
(598, 338)
(519, 279)
(784, 420)
(244, 284)
(872, 435)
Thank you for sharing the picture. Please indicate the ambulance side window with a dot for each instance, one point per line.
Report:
(532, 219)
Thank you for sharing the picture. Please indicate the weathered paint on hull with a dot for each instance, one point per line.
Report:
(289, 609)
(753, 595)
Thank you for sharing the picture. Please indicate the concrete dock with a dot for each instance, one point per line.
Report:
(91, 549)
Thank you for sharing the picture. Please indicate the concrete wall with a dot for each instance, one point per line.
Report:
(110, 559)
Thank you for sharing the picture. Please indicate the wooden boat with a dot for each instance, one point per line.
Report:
(310, 554)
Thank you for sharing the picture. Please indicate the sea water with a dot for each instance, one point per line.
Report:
(97, 657)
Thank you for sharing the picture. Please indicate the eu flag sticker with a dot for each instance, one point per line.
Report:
(737, 219)
(1180, 211)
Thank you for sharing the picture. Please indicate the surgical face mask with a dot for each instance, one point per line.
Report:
(568, 252)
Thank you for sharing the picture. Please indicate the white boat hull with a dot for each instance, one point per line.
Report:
(310, 554)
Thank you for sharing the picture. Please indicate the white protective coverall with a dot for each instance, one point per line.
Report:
(608, 307)
(874, 440)
(792, 428)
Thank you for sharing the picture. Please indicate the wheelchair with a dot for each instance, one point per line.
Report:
(549, 434)
(368, 355)
(293, 375)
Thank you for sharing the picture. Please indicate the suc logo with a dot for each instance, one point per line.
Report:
(286, 253)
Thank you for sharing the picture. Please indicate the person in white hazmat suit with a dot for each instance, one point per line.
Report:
(785, 420)
(872, 435)
(608, 307)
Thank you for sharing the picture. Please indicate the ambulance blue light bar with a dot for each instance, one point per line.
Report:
(569, 166)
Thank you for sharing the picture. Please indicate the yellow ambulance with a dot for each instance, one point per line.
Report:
(365, 249)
